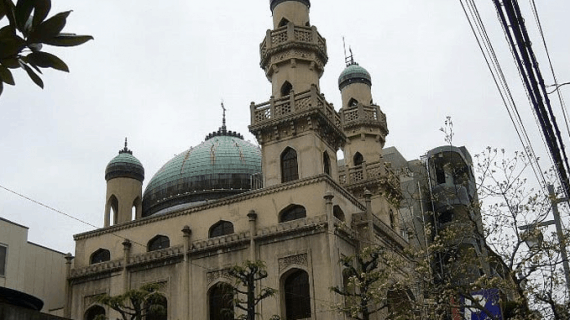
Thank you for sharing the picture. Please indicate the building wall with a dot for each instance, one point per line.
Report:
(31, 268)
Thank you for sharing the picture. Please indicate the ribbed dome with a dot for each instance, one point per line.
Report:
(218, 167)
(125, 165)
(354, 73)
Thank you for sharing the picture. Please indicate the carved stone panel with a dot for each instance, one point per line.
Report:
(299, 260)
(218, 274)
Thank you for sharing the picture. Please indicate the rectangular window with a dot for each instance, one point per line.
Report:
(2, 260)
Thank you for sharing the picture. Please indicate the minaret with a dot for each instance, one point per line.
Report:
(299, 131)
(362, 121)
(124, 175)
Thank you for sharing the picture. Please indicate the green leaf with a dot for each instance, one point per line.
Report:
(11, 63)
(49, 28)
(6, 75)
(67, 40)
(5, 32)
(11, 46)
(47, 60)
(9, 8)
(23, 11)
(35, 78)
(42, 8)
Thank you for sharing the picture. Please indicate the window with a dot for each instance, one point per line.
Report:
(399, 302)
(297, 296)
(293, 212)
(93, 312)
(358, 159)
(445, 217)
(392, 220)
(3, 252)
(100, 255)
(289, 170)
(352, 103)
(338, 213)
(221, 228)
(440, 175)
(326, 163)
(283, 22)
(221, 302)
(159, 309)
(286, 88)
(157, 243)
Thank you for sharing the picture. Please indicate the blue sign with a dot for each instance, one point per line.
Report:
(488, 298)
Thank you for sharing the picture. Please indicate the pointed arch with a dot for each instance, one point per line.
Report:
(283, 22)
(338, 213)
(93, 312)
(392, 219)
(136, 208)
(159, 309)
(292, 212)
(157, 243)
(111, 211)
(221, 228)
(297, 294)
(352, 103)
(286, 88)
(326, 163)
(289, 167)
(358, 159)
(221, 302)
(101, 255)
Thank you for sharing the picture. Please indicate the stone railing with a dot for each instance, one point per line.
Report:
(288, 33)
(156, 255)
(362, 114)
(294, 225)
(106, 266)
(365, 172)
(276, 109)
(220, 241)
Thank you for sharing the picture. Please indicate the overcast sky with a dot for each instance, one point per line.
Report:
(157, 71)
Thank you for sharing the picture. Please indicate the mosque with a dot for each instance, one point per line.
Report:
(288, 202)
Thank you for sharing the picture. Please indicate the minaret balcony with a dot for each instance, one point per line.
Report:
(364, 115)
(295, 104)
(289, 37)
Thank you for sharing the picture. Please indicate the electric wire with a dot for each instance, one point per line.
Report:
(479, 31)
(554, 77)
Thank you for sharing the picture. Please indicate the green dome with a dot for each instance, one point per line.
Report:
(354, 73)
(219, 167)
(125, 165)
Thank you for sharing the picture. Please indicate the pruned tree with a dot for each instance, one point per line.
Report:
(24, 30)
(247, 275)
(136, 304)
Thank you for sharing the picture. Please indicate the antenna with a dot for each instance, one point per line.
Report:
(348, 60)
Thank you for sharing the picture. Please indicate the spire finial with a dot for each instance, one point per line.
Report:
(348, 60)
(224, 115)
(125, 149)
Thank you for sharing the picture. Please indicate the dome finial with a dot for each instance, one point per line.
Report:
(223, 116)
(349, 60)
(125, 149)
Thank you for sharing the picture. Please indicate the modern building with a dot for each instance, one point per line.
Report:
(31, 268)
(286, 202)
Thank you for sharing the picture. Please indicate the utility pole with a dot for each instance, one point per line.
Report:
(554, 202)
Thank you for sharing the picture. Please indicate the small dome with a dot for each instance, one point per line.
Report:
(354, 73)
(219, 167)
(274, 3)
(125, 165)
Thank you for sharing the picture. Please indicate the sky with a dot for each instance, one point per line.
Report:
(158, 71)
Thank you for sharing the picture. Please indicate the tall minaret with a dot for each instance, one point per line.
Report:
(124, 175)
(299, 131)
(363, 122)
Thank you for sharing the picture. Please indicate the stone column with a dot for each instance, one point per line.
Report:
(67, 308)
(252, 233)
(333, 250)
(126, 253)
(185, 296)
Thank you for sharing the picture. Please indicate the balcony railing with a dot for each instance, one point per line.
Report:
(290, 33)
(276, 109)
(363, 113)
(365, 172)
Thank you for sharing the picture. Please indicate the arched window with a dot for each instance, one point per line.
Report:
(221, 228)
(338, 213)
(358, 159)
(135, 208)
(297, 295)
(157, 243)
(99, 256)
(283, 22)
(352, 103)
(113, 209)
(286, 88)
(289, 170)
(221, 302)
(392, 219)
(326, 163)
(399, 303)
(93, 312)
(293, 212)
(157, 309)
